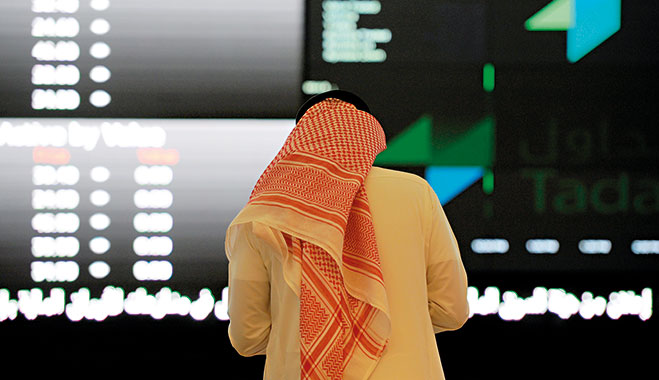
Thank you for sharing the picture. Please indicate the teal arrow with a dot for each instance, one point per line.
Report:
(594, 22)
(455, 154)
(588, 23)
(449, 181)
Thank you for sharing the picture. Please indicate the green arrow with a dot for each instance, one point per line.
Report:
(451, 144)
(555, 16)
(471, 146)
(410, 147)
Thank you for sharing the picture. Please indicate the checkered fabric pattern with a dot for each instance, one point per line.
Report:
(318, 176)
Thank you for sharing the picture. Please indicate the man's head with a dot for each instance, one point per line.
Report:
(346, 96)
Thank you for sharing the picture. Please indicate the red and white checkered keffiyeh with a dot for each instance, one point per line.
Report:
(313, 192)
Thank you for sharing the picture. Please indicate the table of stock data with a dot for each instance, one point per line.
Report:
(55, 28)
(118, 58)
(130, 210)
(120, 124)
(82, 201)
(56, 199)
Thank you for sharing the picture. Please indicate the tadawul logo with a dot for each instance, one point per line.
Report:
(588, 23)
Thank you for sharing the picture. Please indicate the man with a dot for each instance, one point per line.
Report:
(337, 269)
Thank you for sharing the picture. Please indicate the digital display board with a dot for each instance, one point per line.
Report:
(538, 143)
(533, 121)
(131, 133)
(112, 205)
(150, 58)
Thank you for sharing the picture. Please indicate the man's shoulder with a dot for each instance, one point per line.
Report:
(378, 174)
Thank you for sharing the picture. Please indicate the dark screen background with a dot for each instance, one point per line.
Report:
(565, 151)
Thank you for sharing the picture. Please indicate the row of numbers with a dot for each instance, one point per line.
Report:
(55, 73)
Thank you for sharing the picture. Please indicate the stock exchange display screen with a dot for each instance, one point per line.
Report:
(110, 206)
(131, 133)
(121, 123)
(533, 122)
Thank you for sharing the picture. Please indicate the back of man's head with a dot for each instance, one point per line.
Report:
(344, 95)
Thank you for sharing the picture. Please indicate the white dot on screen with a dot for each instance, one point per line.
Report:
(99, 98)
(99, 221)
(100, 174)
(99, 245)
(99, 26)
(99, 269)
(99, 198)
(100, 74)
(99, 5)
(99, 50)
